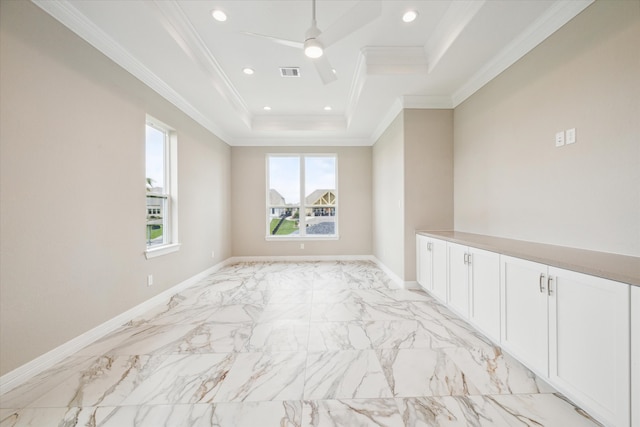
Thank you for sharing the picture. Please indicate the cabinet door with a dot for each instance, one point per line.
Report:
(423, 261)
(484, 268)
(524, 312)
(439, 269)
(589, 343)
(458, 279)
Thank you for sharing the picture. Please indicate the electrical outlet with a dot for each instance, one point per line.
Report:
(560, 139)
(571, 136)
(301, 245)
(150, 280)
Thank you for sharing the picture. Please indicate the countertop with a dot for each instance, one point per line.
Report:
(621, 268)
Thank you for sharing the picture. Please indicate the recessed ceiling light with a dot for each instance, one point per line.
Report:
(327, 108)
(266, 108)
(248, 71)
(219, 15)
(410, 16)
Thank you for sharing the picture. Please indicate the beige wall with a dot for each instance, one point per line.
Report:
(412, 185)
(510, 179)
(248, 204)
(428, 174)
(388, 197)
(72, 205)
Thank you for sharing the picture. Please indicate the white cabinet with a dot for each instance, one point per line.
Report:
(438, 249)
(458, 296)
(423, 262)
(573, 329)
(474, 287)
(431, 265)
(484, 275)
(589, 342)
(635, 356)
(525, 312)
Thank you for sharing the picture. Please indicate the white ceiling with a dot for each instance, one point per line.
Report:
(179, 50)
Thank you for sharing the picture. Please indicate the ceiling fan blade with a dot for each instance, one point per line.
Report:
(325, 70)
(361, 14)
(284, 42)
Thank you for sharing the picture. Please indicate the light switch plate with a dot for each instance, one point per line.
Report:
(560, 139)
(571, 136)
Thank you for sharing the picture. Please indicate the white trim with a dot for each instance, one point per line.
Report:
(171, 241)
(392, 113)
(20, 375)
(300, 140)
(455, 20)
(298, 258)
(427, 101)
(561, 12)
(302, 205)
(412, 284)
(65, 12)
(199, 52)
(306, 237)
(397, 280)
(162, 250)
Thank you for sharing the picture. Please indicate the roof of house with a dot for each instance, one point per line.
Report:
(314, 197)
(275, 198)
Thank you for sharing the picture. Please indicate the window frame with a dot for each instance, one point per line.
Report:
(170, 242)
(302, 236)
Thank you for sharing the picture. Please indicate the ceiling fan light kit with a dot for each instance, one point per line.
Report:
(313, 48)
(316, 41)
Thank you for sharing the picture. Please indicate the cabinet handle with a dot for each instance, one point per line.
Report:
(469, 259)
(466, 258)
(549, 291)
(429, 246)
(541, 283)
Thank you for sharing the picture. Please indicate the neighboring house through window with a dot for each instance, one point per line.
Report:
(302, 196)
(161, 188)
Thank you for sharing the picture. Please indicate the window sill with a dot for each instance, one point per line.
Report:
(162, 250)
(300, 239)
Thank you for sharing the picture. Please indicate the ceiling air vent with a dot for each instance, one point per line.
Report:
(290, 71)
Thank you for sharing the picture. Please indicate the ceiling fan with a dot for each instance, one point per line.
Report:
(316, 41)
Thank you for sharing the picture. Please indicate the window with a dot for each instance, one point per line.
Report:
(161, 185)
(302, 196)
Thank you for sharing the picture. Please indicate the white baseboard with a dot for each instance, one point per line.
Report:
(20, 375)
(394, 277)
(299, 258)
(412, 284)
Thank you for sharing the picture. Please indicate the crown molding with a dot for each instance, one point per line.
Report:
(307, 123)
(561, 12)
(453, 23)
(393, 111)
(195, 48)
(301, 141)
(69, 16)
(357, 84)
(427, 102)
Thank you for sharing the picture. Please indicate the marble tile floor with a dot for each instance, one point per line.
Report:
(291, 344)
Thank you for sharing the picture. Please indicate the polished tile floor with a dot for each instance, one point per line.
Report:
(291, 344)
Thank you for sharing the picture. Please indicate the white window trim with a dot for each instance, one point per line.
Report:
(171, 170)
(302, 207)
(157, 251)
